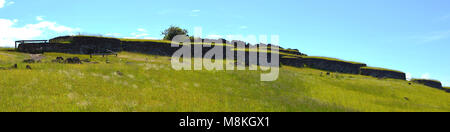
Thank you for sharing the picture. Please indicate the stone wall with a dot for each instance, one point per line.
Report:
(61, 39)
(93, 45)
(292, 61)
(430, 83)
(162, 49)
(323, 64)
(90, 45)
(447, 89)
(78, 45)
(48, 47)
(165, 49)
(333, 65)
(383, 73)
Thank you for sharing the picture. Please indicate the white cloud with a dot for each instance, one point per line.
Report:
(243, 27)
(425, 76)
(142, 30)
(214, 36)
(408, 76)
(138, 35)
(141, 34)
(40, 18)
(113, 34)
(195, 13)
(10, 3)
(10, 32)
(445, 83)
(2, 3)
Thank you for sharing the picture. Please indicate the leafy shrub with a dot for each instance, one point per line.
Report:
(173, 31)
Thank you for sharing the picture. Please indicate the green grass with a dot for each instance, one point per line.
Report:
(380, 69)
(331, 59)
(148, 83)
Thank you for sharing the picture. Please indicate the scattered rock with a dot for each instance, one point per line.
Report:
(28, 61)
(74, 60)
(119, 73)
(28, 67)
(406, 98)
(58, 60)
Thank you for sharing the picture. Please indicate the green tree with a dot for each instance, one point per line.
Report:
(173, 31)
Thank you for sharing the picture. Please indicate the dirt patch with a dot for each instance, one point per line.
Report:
(37, 57)
(6, 54)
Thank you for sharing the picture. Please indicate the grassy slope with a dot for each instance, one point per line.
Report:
(149, 84)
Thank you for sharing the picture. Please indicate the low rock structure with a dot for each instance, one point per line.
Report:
(291, 57)
(292, 61)
(76, 45)
(430, 83)
(323, 63)
(382, 73)
(333, 65)
(294, 52)
(74, 60)
(447, 89)
(29, 61)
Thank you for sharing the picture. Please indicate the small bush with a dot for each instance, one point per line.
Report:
(173, 31)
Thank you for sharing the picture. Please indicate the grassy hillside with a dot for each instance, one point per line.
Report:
(137, 82)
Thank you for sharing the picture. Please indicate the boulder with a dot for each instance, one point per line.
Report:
(58, 60)
(74, 60)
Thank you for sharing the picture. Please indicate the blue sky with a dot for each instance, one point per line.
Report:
(407, 35)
